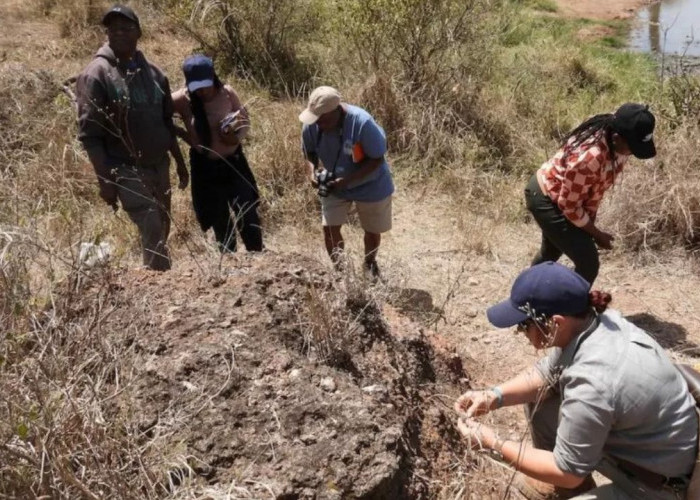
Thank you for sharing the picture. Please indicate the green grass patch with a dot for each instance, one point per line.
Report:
(543, 5)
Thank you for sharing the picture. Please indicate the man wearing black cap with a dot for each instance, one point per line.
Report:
(565, 193)
(125, 124)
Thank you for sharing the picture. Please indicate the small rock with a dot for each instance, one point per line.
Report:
(226, 323)
(471, 313)
(328, 384)
(474, 338)
(169, 322)
(295, 373)
(374, 388)
(472, 282)
(308, 439)
(189, 386)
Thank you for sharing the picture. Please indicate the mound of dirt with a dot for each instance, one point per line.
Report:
(281, 378)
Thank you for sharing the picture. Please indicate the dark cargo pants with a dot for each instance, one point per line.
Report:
(559, 235)
(144, 194)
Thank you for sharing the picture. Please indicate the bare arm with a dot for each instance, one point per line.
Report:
(367, 166)
(526, 387)
(538, 464)
(602, 239)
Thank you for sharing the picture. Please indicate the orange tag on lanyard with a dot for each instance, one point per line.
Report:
(357, 153)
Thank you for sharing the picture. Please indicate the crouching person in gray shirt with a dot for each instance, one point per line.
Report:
(607, 398)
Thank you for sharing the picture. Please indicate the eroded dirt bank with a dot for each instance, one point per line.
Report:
(277, 376)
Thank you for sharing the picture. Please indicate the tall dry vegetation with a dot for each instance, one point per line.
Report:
(657, 206)
(473, 95)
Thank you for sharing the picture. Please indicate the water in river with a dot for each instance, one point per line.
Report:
(670, 26)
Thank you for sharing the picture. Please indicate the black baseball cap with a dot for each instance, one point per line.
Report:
(542, 291)
(120, 10)
(635, 123)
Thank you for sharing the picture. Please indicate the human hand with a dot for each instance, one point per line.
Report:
(475, 403)
(339, 183)
(478, 436)
(604, 240)
(314, 180)
(183, 175)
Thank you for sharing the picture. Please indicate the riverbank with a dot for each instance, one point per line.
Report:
(603, 10)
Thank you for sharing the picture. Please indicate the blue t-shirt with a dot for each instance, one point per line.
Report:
(357, 127)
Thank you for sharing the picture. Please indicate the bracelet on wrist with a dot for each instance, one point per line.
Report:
(499, 396)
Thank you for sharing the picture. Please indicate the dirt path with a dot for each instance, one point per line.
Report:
(604, 10)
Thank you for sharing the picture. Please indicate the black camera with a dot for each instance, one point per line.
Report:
(323, 177)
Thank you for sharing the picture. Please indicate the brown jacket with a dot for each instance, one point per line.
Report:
(124, 113)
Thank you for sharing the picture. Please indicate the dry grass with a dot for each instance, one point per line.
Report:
(62, 436)
(472, 144)
(657, 204)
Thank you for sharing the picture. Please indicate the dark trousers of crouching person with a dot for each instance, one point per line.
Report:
(144, 194)
(225, 197)
(626, 484)
(559, 235)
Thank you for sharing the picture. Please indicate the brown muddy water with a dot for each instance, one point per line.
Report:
(669, 27)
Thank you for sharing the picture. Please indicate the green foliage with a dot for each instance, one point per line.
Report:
(543, 5)
(425, 42)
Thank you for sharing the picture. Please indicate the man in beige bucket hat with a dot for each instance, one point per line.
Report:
(353, 170)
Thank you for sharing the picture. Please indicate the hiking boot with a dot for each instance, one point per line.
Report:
(532, 489)
(371, 271)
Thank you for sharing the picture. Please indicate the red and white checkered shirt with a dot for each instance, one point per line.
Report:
(577, 185)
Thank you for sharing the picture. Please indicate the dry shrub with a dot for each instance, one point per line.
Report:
(684, 91)
(657, 205)
(61, 437)
(379, 97)
(276, 158)
(78, 21)
(260, 41)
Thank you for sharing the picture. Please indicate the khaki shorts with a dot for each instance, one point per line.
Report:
(375, 216)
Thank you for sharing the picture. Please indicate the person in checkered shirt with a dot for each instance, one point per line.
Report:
(564, 193)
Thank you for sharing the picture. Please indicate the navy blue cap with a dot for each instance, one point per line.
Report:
(199, 72)
(542, 291)
(120, 10)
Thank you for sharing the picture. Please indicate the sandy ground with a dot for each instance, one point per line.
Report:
(604, 10)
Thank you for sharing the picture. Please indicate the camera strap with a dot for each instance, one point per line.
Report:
(343, 114)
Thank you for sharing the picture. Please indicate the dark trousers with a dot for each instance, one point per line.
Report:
(559, 235)
(225, 198)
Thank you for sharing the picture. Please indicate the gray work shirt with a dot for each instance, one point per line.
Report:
(621, 396)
